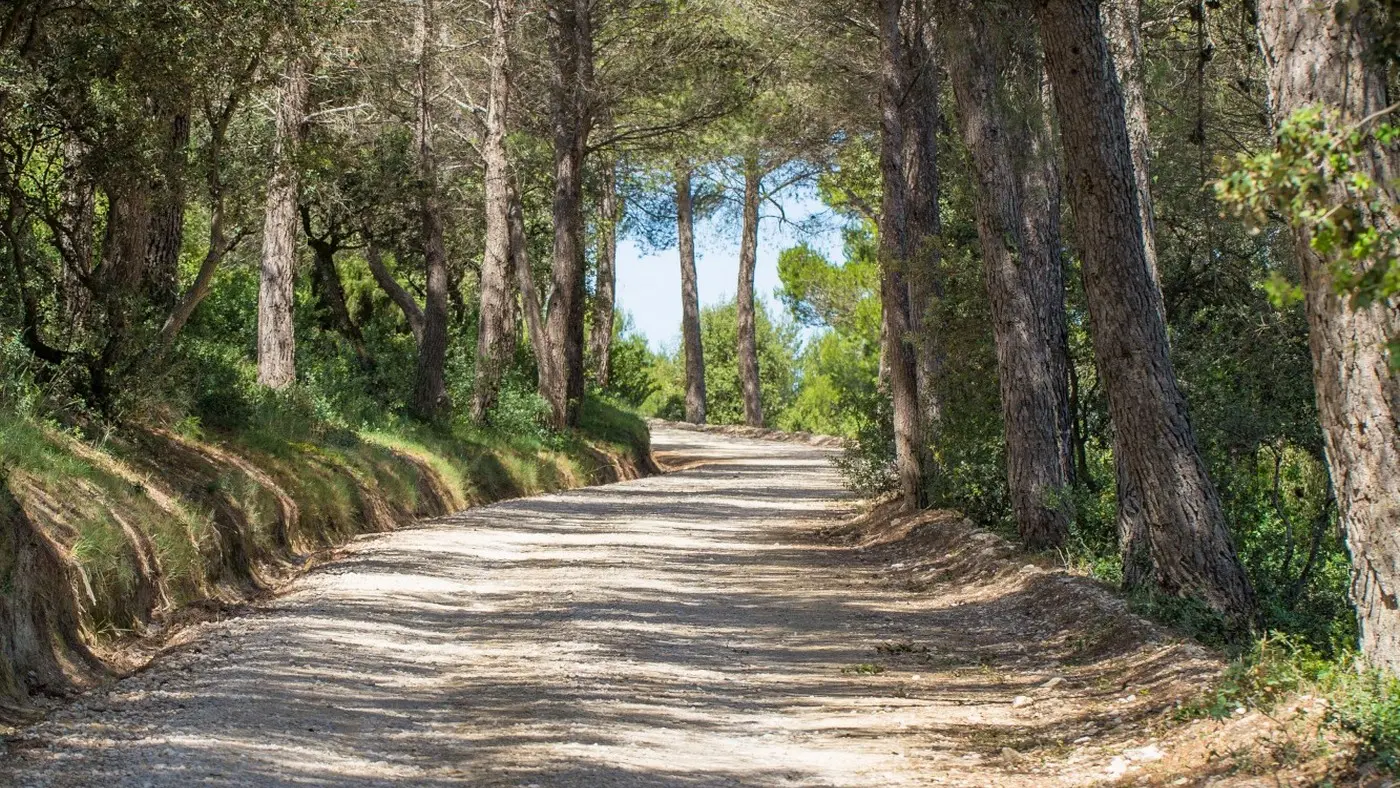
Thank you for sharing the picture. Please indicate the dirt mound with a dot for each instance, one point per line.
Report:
(1130, 681)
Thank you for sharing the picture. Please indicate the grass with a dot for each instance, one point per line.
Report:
(219, 510)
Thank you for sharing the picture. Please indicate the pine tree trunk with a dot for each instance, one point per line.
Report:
(894, 254)
(606, 291)
(1191, 547)
(690, 302)
(276, 336)
(77, 212)
(1122, 20)
(573, 58)
(748, 262)
(430, 400)
(1315, 57)
(167, 231)
(496, 323)
(996, 82)
(923, 115)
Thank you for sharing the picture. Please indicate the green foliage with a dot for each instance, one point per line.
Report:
(630, 379)
(719, 335)
(1360, 700)
(1315, 176)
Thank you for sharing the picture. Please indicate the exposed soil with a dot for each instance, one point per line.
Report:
(722, 625)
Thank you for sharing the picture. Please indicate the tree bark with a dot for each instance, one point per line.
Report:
(894, 253)
(430, 400)
(1122, 20)
(922, 112)
(167, 231)
(572, 80)
(605, 293)
(690, 301)
(495, 324)
(997, 85)
(1191, 547)
(276, 335)
(74, 237)
(748, 262)
(1315, 55)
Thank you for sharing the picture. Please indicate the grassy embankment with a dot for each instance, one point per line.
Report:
(105, 543)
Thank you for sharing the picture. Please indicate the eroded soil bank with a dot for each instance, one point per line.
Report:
(722, 625)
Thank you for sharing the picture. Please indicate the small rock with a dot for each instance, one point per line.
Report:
(1011, 756)
(1021, 701)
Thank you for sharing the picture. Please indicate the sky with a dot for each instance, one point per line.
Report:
(649, 282)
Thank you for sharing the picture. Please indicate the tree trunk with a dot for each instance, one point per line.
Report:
(748, 262)
(276, 336)
(430, 390)
(77, 214)
(573, 76)
(167, 231)
(996, 82)
(894, 253)
(495, 324)
(1191, 547)
(605, 294)
(690, 302)
(330, 293)
(922, 118)
(529, 296)
(1315, 57)
(412, 312)
(1122, 20)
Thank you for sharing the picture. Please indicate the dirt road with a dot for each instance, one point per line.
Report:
(682, 630)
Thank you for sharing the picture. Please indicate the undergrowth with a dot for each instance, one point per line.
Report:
(1362, 701)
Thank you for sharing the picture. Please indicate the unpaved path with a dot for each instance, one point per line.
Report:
(681, 630)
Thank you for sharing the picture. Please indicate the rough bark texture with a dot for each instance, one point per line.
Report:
(690, 302)
(923, 115)
(605, 292)
(1122, 20)
(74, 237)
(276, 337)
(167, 231)
(572, 50)
(894, 251)
(495, 324)
(430, 389)
(1314, 57)
(748, 331)
(1191, 547)
(996, 82)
